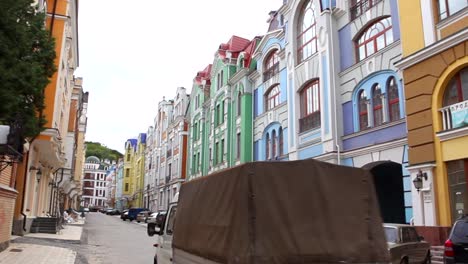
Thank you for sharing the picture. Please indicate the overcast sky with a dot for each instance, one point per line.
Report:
(132, 53)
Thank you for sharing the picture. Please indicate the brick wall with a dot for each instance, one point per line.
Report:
(7, 207)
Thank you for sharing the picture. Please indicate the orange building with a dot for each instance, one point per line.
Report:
(435, 72)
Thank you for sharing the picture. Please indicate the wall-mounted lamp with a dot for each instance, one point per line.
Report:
(418, 181)
(38, 173)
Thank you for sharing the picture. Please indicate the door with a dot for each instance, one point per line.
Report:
(165, 248)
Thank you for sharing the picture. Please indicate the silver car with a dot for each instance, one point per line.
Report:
(405, 245)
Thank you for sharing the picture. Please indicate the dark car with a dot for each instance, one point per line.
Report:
(456, 246)
(133, 212)
(112, 212)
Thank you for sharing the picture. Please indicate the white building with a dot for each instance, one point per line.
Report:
(94, 183)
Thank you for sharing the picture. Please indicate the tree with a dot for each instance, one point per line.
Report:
(102, 152)
(27, 53)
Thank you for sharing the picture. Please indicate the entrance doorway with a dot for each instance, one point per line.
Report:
(388, 181)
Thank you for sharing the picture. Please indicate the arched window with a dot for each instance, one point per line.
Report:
(310, 107)
(457, 89)
(375, 38)
(273, 146)
(377, 104)
(271, 66)
(363, 119)
(267, 147)
(239, 103)
(393, 99)
(306, 32)
(280, 138)
(272, 98)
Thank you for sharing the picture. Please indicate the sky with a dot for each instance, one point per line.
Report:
(133, 53)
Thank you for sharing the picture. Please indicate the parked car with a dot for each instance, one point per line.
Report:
(152, 218)
(112, 212)
(108, 210)
(456, 246)
(124, 214)
(141, 216)
(86, 210)
(133, 212)
(405, 245)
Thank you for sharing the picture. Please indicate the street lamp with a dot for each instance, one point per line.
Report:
(38, 173)
(418, 181)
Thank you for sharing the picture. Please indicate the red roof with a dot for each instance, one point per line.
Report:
(203, 75)
(234, 45)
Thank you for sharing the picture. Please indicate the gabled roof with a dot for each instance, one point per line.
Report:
(249, 51)
(203, 75)
(133, 142)
(234, 46)
(143, 138)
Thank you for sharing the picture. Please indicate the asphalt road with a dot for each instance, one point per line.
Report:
(111, 240)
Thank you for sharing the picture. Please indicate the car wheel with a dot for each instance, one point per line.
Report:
(138, 221)
(404, 261)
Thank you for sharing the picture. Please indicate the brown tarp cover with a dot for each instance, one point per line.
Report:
(282, 212)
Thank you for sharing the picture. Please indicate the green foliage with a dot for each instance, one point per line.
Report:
(27, 54)
(102, 152)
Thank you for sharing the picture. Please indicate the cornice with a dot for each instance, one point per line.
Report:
(375, 148)
(452, 133)
(433, 49)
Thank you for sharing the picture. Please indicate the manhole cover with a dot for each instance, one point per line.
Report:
(16, 250)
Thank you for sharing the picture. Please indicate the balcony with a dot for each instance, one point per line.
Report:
(309, 122)
(361, 6)
(454, 121)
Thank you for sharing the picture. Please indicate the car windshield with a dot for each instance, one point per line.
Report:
(460, 231)
(391, 234)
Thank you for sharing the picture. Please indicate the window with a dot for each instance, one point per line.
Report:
(358, 7)
(272, 98)
(195, 131)
(280, 138)
(238, 146)
(128, 157)
(126, 187)
(375, 38)
(198, 162)
(219, 114)
(409, 234)
(239, 104)
(273, 147)
(220, 80)
(310, 107)
(377, 104)
(216, 158)
(307, 35)
(169, 170)
(222, 151)
(363, 119)
(457, 174)
(171, 220)
(127, 172)
(271, 65)
(267, 146)
(457, 89)
(393, 99)
(450, 7)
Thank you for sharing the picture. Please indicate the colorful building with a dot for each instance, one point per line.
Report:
(139, 170)
(95, 183)
(435, 72)
(270, 126)
(221, 109)
(129, 174)
(48, 177)
(119, 200)
(169, 150)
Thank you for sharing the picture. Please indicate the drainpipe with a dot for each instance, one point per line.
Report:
(332, 53)
(53, 18)
(24, 191)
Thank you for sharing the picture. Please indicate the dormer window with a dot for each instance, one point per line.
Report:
(376, 37)
(271, 65)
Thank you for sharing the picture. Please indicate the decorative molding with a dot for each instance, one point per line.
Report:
(453, 133)
(374, 148)
(433, 49)
(373, 129)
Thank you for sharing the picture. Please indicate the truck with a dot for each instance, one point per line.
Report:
(304, 211)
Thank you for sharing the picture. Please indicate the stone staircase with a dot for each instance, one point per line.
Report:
(437, 253)
(45, 225)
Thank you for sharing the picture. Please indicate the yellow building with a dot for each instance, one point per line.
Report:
(128, 186)
(434, 37)
(139, 165)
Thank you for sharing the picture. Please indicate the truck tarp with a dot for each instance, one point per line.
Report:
(303, 211)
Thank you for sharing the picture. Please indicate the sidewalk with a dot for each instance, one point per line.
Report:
(40, 254)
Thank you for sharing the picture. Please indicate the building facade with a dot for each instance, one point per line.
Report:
(435, 69)
(129, 174)
(49, 180)
(95, 183)
(139, 170)
(169, 148)
(119, 200)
